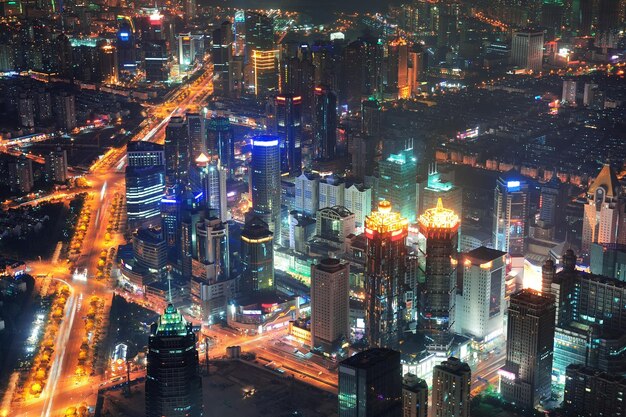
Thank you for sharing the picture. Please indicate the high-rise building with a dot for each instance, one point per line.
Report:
(526, 376)
(21, 177)
(569, 92)
(604, 211)
(213, 250)
(385, 274)
(288, 127)
(363, 64)
(551, 202)
(414, 396)
(126, 46)
(398, 68)
(173, 384)
(264, 68)
(510, 214)
(221, 142)
(155, 60)
(590, 392)
(144, 191)
(332, 191)
(141, 154)
(325, 124)
(608, 260)
(397, 184)
(307, 193)
(437, 267)
(177, 151)
(480, 303)
(257, 257)
(196, 133)
(333, 225)
(358, 199)
(590, 319)
(56, 166)
(370, 384)
(452, 386)
(527, 50)
(437, 187)
(330, 296)
(265, 185)
(149, 249)
(26, 110)
(212, 184)
(222, 55)
(65, 111)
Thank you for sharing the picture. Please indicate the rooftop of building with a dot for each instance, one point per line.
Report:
(172, 323)
(484, 254)
(531, 297)
(607, 179)
(454, 365)
(371, 357)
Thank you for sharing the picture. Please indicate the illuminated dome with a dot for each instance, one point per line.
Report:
(384, 220)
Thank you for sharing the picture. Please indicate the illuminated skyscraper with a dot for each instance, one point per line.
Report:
(437, 269)
(397, 184)
(510, 214)
(173, 384)
(144, 191)
(370, 384)
(213, 251)
(435, 188)
(155, 60)
(604, 220)
(222, 56)
(239, 33)
(414, 396)
(325, 124)
(177, 151)
(385, 273)
(330, 296)
(257, 257)
(527, 50)
(212, 183)
(265, 187)
(288, 120)
(398, 68)
(264, 67)
(526, 376)
(221, 142)
(196, 132)
(126, 47)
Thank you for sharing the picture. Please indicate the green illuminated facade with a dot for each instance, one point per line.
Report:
(397, 183)
(173, 384)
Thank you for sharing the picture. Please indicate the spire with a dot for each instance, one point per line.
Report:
(607, 179)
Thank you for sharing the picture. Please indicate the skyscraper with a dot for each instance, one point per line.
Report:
(590, 392)
(257, 257)
(325, 124)
(56, 166)
(385, 273)
(604, 211)
(222, 54)
(221, 142)
(414, 396)
(196, 132)
(177, 151)
(155, 60)
(370, 384)
(452, 382)
(307, 193)
(398, 68)
(527, 50)
(265, 186)
(213, 251)
(526, 376)
(173, 384)
(288, 119)
(397, 184)
(330, 295)
(21, 175)
(437, 270)
(144, 190)
(436, 187)
(480, 304)
(510, 214)
(212, 183)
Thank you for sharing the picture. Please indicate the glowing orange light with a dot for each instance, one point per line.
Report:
(439, 217)
(386, 221)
